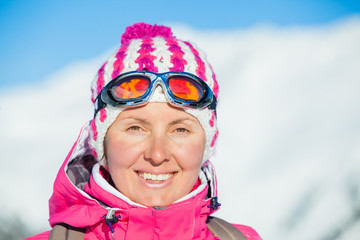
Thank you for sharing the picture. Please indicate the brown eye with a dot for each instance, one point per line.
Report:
(134, 128)
(182, 130)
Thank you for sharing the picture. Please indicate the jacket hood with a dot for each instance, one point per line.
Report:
(81, 190)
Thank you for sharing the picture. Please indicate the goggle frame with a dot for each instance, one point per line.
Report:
(106, 97)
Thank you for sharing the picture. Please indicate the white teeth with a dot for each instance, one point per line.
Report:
(156, 177)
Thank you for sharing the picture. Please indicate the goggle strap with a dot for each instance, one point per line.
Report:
(99, 104)
(213, 104)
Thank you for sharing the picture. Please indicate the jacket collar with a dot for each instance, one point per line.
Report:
(186, 217)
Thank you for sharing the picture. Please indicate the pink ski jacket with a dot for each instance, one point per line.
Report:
(84, 198)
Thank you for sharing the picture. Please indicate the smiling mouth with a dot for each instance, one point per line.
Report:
(155, 178)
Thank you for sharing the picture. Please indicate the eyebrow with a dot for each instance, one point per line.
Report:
(138, 119)
(181, 120)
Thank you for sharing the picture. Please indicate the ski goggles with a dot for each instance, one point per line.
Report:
(133, 89)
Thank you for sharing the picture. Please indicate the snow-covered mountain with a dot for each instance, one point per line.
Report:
(288, 154)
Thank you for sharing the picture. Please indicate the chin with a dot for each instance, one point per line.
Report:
(155, 202)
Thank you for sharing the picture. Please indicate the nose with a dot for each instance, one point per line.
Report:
(157, 151)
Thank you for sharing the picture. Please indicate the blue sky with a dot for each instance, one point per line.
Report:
(39, 37)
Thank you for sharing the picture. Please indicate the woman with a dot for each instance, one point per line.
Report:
(140, 169)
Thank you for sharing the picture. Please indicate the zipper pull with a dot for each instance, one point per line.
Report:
(111, 219)
(214, 204)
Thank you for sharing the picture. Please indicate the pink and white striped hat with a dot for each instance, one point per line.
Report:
(152, 48)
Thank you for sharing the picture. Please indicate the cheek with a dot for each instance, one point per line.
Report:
(120, 153)
(190, 156)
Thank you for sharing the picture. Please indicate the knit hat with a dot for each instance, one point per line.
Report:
(152, 48)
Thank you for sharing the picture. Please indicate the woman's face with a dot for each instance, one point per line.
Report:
(154, 153)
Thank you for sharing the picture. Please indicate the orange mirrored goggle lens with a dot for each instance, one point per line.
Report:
(186, 88)
(132, 87)
(182, 87)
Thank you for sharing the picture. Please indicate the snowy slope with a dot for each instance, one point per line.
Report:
(288, 157)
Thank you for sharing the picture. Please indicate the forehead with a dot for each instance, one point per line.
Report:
(157, 111)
